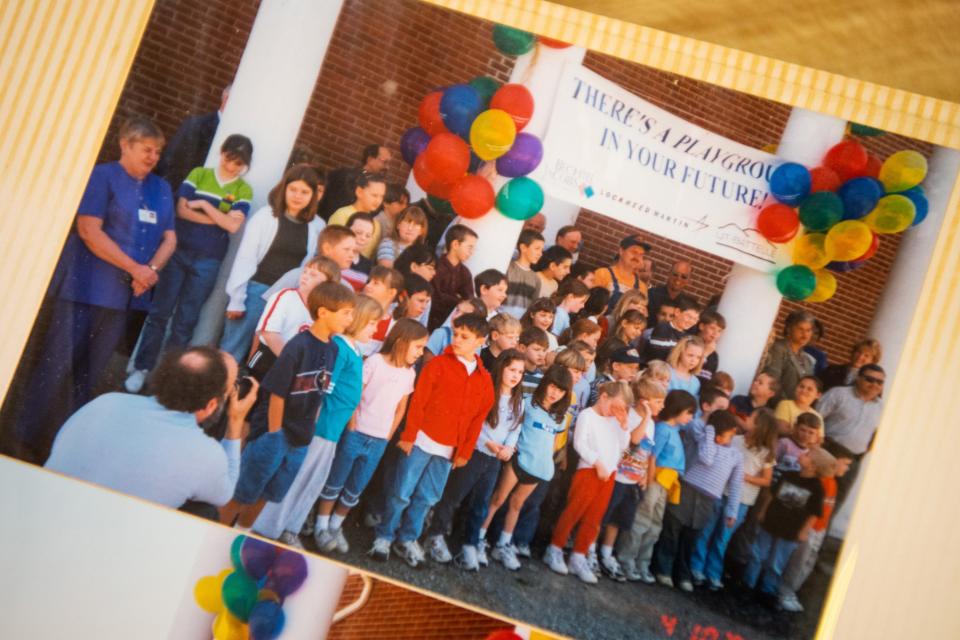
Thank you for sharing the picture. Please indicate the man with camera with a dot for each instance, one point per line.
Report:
(163, 447)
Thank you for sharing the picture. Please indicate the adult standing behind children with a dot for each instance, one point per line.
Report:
(189, 146)
(570, 238)
(676, 284)
(786, 360)
(122, 239)
(212, 204)
(851, 416)
(278, 237)
(621, 276)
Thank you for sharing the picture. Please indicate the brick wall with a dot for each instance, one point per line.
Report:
(754, 122)
(397, 613)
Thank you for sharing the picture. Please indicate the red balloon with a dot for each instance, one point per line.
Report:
(824, 179)
(847, 158)
(503, 634)
(778, 223)
(428, 180)
(472, 196)
(553, 44)
(447, 157)
(516, 100)
(872, 170)
(429, 114)
(872, 251)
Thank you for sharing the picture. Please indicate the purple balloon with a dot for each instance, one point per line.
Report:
(412, 144)
(257, 556)
(845, 266)
(288, 573)
(522, 158)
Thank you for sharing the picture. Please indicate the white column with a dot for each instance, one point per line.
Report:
(750, 299)
(891, 320)
(270, 95)
(540, 72)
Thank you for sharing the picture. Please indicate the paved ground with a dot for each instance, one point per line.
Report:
(607, 610)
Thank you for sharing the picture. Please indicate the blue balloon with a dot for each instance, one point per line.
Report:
(859, 196)
(790, 183)
(412, 144)
(459, 105)
(266, 620)
(919, 200)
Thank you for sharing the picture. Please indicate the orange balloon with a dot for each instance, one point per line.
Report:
(429, 114)
(516, 100)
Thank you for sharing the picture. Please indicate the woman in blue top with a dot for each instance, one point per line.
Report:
(543, 419)
(286, 518)
(113, 257)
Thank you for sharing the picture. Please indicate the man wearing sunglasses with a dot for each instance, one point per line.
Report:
(676, 284)
(850, 417)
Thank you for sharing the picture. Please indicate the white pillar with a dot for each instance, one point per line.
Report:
(269, 97)
(540, 72)
(750, 299)
(891, 320)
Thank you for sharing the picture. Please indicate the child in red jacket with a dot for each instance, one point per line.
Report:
(450, 401)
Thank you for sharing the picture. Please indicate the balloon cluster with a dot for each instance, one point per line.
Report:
(840, 209)
(248, 597)
(469, 131)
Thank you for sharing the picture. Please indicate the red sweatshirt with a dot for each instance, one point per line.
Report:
(448, 405)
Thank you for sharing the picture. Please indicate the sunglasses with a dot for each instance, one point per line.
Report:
(873, 380)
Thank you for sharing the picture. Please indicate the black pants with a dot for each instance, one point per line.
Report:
(201, 509)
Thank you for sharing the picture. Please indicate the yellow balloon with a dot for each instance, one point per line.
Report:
(848, 240)
(903, 170)
(492, 134)
(826, 287)
(208, 592)
(810, 250)
(892, 214)
(227, 627)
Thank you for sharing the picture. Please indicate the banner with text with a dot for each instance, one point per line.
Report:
(614, 153)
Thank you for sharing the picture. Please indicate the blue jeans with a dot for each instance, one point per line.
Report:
(476, 481)
(770, 555)
(238, 334)
(357, 458)
(268, 466)
(418, 483)
(184, 286)
(711, 546)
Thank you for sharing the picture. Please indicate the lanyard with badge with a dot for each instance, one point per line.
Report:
(145, 214)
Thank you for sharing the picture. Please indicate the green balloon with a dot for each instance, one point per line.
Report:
(521, 198)
(486, 87)
(235, 559)
(513, 42)
(240, 594)
(796, 282)
(821, 210)
(864, 130)
(440, 205)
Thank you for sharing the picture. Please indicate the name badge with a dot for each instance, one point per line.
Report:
(148, 216)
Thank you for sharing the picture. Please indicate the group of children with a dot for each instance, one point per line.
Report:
(523, 401)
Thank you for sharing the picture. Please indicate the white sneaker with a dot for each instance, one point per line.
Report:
(553, 558)
(482, 559)
(437, 548)
(791, 603)
(698, 578)
(611, 569)
(686, 585)
(630, 572)
(467, 559)
(290, 539)
(647, 577)
(666, 581)
(579, 567)
(326, 540)
(507, 556)
(134, 382)
(371, 520)
(410, 552)
(341, 542)
(523, 550)
(715, 584)
(593, 562)
(380, 550)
